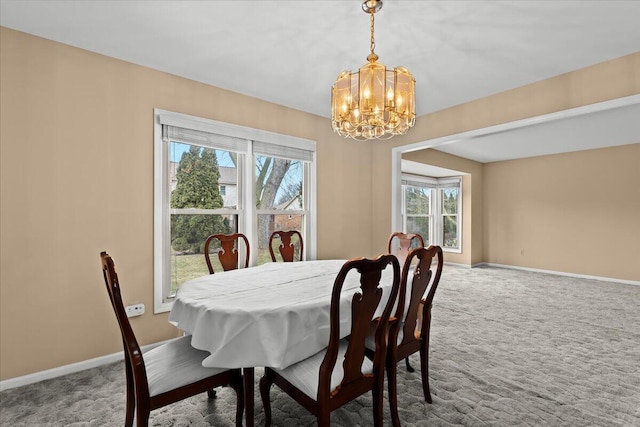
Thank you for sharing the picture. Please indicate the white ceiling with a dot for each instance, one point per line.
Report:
(606, 124)
(290, 52)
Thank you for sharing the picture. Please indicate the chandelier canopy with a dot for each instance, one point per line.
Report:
(373, 102)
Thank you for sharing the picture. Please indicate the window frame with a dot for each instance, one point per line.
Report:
(246, 211)
(436, 223)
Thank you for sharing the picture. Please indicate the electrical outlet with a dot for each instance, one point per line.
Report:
(134, 310)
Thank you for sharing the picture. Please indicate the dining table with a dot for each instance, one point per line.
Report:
(274, 314)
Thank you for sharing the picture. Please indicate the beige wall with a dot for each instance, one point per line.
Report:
(77, 178)
(76, 153)
(601, 82)
(575, 212)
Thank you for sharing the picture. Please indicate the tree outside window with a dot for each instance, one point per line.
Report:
(279, 199)
(449, 202)
(418, 211)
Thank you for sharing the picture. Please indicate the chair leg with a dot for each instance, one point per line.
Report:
(131, 396)
(128, 421)
(324, 419)
(211, 394)
(424, 365)
(376, 392)
(142, 415)
(237, 386)
(409, 367)
(392, 384)
(265, 386)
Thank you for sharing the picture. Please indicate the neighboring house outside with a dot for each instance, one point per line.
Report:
(227, 184)
(287, 221)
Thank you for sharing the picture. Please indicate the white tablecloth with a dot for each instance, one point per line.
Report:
(272, 315)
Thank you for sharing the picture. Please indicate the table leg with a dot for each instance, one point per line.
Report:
(248, 377)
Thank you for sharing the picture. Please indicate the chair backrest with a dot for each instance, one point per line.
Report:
(423, 280)
(287, 247)
(228, 253)
(132, 352)
(405, 240)
(364, 304)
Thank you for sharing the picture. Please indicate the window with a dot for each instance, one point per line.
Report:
(212, 177)
(432, 208)
(418, 205)
(449, 203)
(280, 193)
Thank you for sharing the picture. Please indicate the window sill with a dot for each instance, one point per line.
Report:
(452, 250)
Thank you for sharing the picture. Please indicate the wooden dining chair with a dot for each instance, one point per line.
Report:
(228, 253)
(411, 334)
(165, 374)
(341, 372)
(405, 243)
(287, 246)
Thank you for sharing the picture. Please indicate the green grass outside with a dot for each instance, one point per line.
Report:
(187, 267)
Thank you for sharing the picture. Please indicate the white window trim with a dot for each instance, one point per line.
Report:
(249, 219)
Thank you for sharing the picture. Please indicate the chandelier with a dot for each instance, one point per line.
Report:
(373, 102)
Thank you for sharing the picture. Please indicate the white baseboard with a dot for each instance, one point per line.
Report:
(67, 369)
(456, 264)
(560, 273)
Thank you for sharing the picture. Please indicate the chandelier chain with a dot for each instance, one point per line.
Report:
(373, 40)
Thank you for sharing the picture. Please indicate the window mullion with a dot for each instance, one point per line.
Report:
(280, 212)
(194, 211)
(307, 204)
(249, 197)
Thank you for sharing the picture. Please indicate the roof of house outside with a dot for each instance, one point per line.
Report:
(294, 203)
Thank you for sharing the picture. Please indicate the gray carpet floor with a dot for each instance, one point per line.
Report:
(507, 348)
